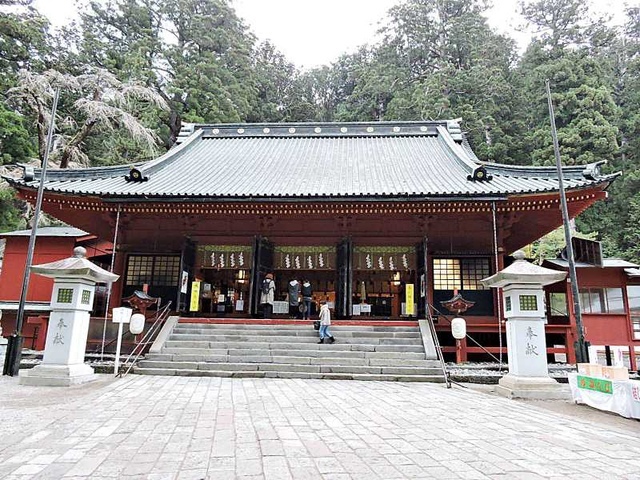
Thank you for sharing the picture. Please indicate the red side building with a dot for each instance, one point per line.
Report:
(52, 243)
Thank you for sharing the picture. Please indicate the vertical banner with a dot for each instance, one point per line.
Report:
(408, 291)
(184, 284)
(194, 306)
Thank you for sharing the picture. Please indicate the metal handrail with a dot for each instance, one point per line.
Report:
(161, 316)
(436, 343)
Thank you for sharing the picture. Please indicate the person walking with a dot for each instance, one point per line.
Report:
(325, 322)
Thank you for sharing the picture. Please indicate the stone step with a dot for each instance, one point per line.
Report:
(290, 367)
(302, 332)
(294, 339)
(240, 326)
(363, 347)
(193, 353)
(290, 359)
(439, 378)
(386, 353)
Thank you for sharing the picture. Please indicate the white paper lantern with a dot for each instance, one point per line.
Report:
(136, 325)
(458, 328)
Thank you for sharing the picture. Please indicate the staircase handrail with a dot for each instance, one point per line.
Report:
(436, 343)
(148, 338)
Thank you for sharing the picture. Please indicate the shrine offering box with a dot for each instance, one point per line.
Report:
(590, 369)
(615, 373)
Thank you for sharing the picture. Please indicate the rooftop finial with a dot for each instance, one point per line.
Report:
(80, 252)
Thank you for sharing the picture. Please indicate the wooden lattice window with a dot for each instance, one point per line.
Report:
(460, 273)
(156, 270)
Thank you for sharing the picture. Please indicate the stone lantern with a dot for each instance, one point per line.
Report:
(74, 281)
(523, 306)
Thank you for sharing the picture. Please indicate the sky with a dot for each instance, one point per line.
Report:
(313, 33)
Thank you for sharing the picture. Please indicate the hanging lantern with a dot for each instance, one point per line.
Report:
(458, 328)
(136, 325)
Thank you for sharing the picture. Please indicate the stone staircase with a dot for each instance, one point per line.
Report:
(391, 353)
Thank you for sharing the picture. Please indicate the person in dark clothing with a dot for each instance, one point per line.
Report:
(294, 298)
(307, 294)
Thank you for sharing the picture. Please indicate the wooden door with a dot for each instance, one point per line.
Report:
(262, 263)
(344, 294)
(187, 264)
(422, 279)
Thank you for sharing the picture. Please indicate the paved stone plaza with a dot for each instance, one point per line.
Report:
(146, 427)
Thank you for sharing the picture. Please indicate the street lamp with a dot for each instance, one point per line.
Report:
(120, 315)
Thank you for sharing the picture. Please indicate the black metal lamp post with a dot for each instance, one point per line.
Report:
(16, 340)
(582, 354)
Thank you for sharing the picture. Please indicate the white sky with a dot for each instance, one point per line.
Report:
(312, 33)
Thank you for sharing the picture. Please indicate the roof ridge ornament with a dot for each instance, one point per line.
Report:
(454, 129)
(135, 175)
(186, 130)
(592, 170)
(480, 174)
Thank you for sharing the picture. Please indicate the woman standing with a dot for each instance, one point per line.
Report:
(267, 295)
(325, 322)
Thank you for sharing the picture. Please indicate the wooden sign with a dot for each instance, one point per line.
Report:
(194, 306)
(408, 291)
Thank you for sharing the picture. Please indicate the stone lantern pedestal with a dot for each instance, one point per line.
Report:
(74, 281)
(523, 305)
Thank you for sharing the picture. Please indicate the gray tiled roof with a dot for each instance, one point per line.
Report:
(632, 272)
(361, 160)
(606, 263)
(48, 232)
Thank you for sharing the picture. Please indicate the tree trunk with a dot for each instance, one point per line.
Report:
(75, 141)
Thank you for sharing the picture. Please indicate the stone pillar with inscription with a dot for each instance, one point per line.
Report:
(523, 306)
(71, 301)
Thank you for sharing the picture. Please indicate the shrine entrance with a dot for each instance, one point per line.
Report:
(295, 264)
(380, 278)
(358, 281)
(224, 273)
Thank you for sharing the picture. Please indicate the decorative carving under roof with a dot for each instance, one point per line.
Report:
(457, 304)
(141, 301)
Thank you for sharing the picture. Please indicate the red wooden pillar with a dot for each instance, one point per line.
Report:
(461, 350)
(117, 287)
(570, 339)
(41, 324)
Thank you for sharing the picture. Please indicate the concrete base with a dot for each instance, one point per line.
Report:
(57, 375)
(532, 388)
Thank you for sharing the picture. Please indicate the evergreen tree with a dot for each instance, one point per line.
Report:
(195, 53)
(280, 89)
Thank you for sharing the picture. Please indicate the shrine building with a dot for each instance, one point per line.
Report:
(385, 219)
